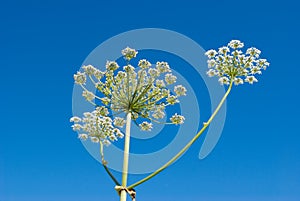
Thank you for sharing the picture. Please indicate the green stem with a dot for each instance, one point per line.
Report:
(105, 167)
(205, 125)
(111, 175)
(126, 157)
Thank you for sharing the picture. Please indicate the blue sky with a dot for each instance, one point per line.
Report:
(43, 43)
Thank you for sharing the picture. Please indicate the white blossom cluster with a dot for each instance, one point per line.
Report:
(230, 64)
(142, 91)
(97, 126)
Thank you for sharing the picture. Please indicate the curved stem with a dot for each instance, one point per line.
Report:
(105, 167)
(159, 122)
(89, 91)
(93, 81)
(205, 125)
(94, 104)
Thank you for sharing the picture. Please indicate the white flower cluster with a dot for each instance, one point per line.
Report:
(230, 64)
(97, 126)
(141, 91)
(129, 53)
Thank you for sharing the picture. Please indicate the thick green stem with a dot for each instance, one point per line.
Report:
(205, 125)
(126, 157)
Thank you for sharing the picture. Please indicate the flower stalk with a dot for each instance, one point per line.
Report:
(188, 145)
(123, 193)
(104, 164)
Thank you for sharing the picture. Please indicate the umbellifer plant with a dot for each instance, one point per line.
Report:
(133, 93)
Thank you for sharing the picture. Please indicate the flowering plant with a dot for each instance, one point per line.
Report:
(143, 93)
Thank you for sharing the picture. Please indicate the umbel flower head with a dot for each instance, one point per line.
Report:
(142, 91)
(230, 64)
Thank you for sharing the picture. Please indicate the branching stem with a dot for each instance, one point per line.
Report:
(172, 160)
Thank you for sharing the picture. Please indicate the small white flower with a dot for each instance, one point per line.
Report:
(76, 127)
(153, 72)
(118, 121)
(211, 73)
(234, 44)
(111, 65)
(165, 92)
(75, 119)
(253, 52)
(88, 95)
(224, 80)
(228, 59)
(211, 63)
(129, 53)
(177, 119)
(98, 74)
(236, 53)
(80, 78)
(107, 120)
(170, 79)
(262, 62)
(248, 64)
(106, 142)
(87, 114)
(172, 100)
(255, 70)
(89, 69)
(158, 114)
(211, 53)
(112, 138)
(223, 50)
(180, 90)
(95, 139)
(163, 67)
(245, 72)
(129, 68)
(266, 65)
(144, 64)
(101, 111)
(238, 81)
(118, 133)
(83, 136)
(120, 76)
(160, 83)
(250, 79)
(146, 126)
(219, 58)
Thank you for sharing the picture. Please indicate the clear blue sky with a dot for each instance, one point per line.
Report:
(42, 43)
